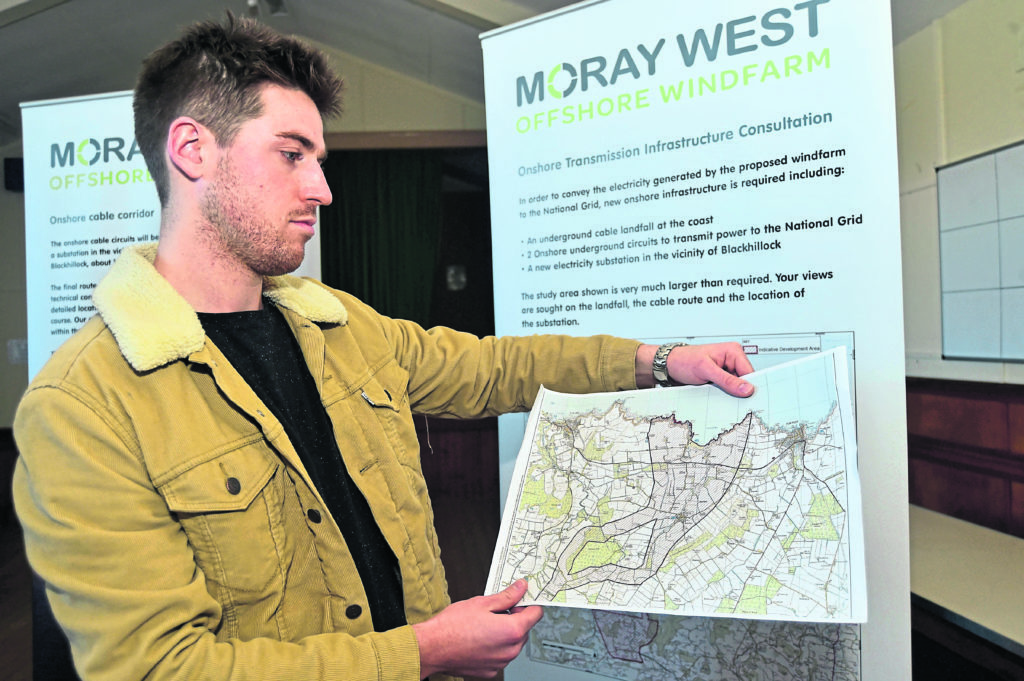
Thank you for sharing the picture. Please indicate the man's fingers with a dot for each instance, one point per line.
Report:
(741, 363)
(734, 385)
(506, 599)
(530, 613)
(718, 363)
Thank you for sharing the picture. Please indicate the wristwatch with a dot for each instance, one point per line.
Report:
(660, 364)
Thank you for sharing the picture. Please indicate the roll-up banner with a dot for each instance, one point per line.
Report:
(88, 194)
(705, 171)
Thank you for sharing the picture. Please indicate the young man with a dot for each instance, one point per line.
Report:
(219, 475)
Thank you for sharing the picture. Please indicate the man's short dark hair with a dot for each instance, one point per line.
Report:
(215, 74)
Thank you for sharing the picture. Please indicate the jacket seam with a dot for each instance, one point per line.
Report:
(98, 409)
(275, 533)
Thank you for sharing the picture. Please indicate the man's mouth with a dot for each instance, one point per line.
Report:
(306, 221)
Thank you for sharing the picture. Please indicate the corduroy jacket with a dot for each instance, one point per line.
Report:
(176, 529)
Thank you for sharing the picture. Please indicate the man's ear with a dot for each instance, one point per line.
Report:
(189, 147)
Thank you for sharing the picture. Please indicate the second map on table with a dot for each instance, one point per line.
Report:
(686, 501)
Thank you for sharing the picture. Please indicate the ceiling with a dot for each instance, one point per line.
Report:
(63, 48)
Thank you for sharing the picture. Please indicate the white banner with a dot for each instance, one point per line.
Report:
(88, 194)
(678, 170)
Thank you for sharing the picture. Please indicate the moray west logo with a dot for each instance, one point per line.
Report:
(91, 151)
(773, 28)
(562, 80)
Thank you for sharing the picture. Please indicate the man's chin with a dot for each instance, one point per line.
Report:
(284, 265)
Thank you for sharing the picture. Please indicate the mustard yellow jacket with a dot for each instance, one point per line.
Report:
(177, 531)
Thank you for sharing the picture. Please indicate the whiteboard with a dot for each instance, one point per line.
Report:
(981, 256)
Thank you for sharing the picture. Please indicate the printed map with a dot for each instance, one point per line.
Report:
(643, 647)
(686, 501)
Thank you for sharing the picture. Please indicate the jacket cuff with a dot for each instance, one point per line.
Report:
(618, 364)
(398, 654)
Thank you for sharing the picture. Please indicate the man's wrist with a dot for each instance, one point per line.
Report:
(642, 366)
(645, 366)
(659, 363)
(428, 647)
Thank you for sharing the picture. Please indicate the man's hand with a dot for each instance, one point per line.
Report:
(718, 363)
(476, 637)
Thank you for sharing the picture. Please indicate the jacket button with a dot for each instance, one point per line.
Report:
(353, 611)
(313, 515)
(234, 487)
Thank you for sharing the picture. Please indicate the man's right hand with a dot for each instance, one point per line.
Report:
(478, 636)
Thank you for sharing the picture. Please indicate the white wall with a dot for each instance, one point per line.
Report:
(379, 100)
(959, 93)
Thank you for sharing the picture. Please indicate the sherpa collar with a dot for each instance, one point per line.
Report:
(153, 325)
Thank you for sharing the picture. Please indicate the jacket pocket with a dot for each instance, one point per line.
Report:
(230, 508)
(387, 398)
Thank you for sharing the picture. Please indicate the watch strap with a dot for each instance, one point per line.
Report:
(660, 364)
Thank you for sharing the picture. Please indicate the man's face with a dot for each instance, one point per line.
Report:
(260, 207)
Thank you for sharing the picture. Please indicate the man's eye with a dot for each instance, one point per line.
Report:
(292, 155)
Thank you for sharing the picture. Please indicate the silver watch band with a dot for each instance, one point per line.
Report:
(660, 364)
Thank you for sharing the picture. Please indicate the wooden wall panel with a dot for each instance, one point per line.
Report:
(973, 422)
(1017, 509)
(976, 497)
(966, 450)
(1016, 419)
(460, 463)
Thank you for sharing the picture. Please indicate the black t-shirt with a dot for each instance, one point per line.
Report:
(261, 347)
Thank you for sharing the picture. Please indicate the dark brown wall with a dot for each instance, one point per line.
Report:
(966, 449)
(460, 463)
(8, 455)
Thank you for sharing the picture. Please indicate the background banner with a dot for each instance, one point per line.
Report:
(88, 194)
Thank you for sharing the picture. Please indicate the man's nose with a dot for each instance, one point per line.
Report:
(316, 188)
